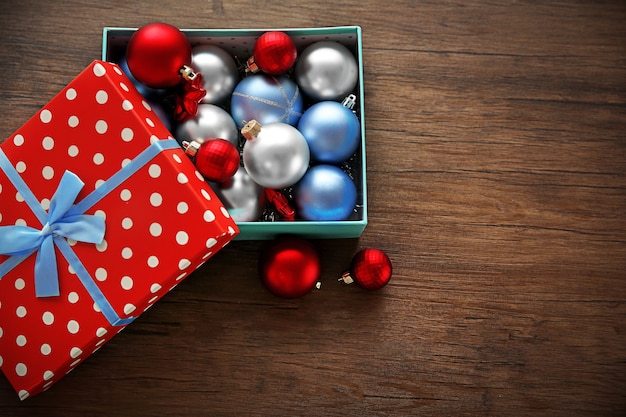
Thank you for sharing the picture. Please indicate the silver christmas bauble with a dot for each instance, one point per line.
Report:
(219, 72)
(275, 155)
(244, 198)
(210, 122)
(326, 70)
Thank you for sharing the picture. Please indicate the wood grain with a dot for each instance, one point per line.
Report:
(496, 135)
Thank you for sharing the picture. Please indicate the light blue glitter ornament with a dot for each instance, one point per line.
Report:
(266, 99)
(325, 193)
(332, 131)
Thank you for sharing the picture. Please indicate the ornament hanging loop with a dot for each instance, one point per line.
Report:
(188, 73)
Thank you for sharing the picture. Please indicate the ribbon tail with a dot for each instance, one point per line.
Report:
(46, 275)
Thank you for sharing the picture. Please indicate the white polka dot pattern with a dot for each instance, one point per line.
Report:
(161, 224)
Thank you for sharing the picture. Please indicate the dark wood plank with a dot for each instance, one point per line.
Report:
(497, 184)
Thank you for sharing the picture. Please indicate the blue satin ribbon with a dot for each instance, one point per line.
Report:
(65, 220)
(23, 240)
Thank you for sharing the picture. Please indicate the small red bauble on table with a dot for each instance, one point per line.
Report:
(290, 267)
(370, 269)
(274, 53)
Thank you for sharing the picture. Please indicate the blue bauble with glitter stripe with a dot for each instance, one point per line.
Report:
(266, 99)
(331, 130)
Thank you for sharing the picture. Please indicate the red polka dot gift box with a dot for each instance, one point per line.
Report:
(101, 214)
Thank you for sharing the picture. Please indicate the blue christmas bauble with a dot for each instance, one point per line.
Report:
(161, 111)
(325, 193)
(331, 130)
(266, 99)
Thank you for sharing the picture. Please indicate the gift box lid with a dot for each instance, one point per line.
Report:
(101, 214)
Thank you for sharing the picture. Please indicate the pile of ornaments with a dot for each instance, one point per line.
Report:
(273, 135)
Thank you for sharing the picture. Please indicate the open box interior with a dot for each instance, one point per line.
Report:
(240, 43)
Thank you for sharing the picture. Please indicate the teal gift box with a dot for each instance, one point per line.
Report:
(240, 43)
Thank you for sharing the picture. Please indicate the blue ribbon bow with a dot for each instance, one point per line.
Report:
(24, 240)
(66, 220)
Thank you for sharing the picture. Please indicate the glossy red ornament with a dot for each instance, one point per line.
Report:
(370, 269)
(274, 53)
(290, 267)
(156, 53)
(216, 159)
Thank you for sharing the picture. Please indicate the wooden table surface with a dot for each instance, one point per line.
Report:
(496, 143)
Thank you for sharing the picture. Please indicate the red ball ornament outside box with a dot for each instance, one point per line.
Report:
(370, 269)
(274, 53)
(156, 53)
(290, 267)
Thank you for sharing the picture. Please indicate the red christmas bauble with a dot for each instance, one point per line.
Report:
(274, 53)
(155, 54)
(290, 267)
(217, 160)
(370, 269)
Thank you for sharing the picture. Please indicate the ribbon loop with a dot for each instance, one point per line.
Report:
(21, 240)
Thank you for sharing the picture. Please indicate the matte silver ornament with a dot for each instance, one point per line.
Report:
(275, 155)
(219, 72)
(326, 70)
(210, 122)
(244, 198)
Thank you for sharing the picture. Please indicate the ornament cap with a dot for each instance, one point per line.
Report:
(251, 65)
(188, 73)
(251, 129)
(191, 148)
(346, 278)
(349, 101)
